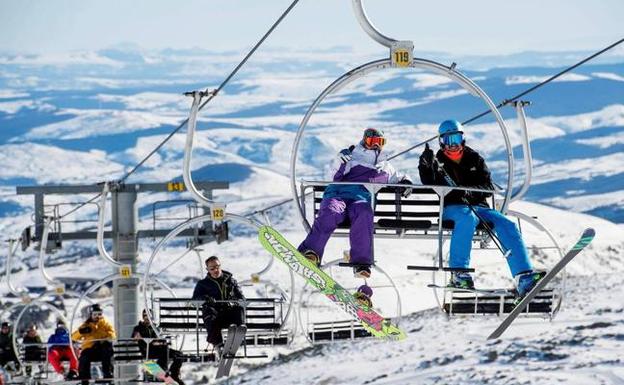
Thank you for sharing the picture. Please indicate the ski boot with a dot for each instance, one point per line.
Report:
(362, 271)
(363, 296)
(71, 375)
(525, 282)
(313, 257)
(461, 280)
(218, 351)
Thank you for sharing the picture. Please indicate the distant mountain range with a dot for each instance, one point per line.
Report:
(84, 117)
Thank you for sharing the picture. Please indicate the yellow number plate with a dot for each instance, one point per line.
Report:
(125, 271)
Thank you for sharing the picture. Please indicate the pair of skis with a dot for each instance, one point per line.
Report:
(372, 321)
(234, 339)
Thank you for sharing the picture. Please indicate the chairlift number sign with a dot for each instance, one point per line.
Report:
(175, 186)
(125, 271)
(401, 53)
(218, 213)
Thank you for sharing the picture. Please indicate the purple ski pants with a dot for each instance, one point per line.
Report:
(331, 213)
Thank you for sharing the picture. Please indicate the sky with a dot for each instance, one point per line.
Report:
(458, 26)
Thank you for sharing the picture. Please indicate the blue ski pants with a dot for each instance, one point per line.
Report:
(506, 230)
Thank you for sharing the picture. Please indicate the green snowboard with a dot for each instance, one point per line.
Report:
(372, 321)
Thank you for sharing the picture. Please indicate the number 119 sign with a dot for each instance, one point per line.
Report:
(402, 53)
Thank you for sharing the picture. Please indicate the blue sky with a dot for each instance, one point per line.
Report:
(481, 27)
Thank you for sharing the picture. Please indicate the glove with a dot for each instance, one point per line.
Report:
(426, 158)
(209, 301)
(406, 191)
(84, 330)
(344, 155)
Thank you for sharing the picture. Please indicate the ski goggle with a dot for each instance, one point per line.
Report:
(454, 139)
(372, 141)
(96, 314)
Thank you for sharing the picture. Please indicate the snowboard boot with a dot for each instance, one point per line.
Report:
(363, 296)
(362, 271)
(526, 281)
(313, 257)
(461, 280)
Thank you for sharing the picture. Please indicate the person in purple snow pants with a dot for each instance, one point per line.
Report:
(364, 163)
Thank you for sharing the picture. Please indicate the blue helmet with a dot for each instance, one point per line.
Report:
(451, 133)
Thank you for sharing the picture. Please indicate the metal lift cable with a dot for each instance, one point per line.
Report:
(507, 101)
(550, 79)
(212, 94)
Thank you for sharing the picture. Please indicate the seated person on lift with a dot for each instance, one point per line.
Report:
(34, 351)
(158, 349)
(216, 289)
(364, 163)
(96, 334)
(7, 353)
(466, 168)
(59, 351)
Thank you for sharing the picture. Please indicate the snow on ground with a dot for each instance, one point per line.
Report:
(581, 346)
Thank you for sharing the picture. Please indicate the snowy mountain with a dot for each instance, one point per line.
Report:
(86, 117)
(112, 107)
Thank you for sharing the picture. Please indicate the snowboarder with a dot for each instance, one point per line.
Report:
(33, 349)
(466, 168)
(158, 348)
(219, 285)
(363, 162)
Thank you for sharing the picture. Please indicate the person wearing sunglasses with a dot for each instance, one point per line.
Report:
(96, 334)
(364, 162)
(222, 298)
(466, 168)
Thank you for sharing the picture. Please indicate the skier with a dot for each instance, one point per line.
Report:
(365, 163)
(157, 348)
(59, 350)
(466, 168)
(219, 285)
(96, 333)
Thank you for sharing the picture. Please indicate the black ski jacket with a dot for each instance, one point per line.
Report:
(471, 171)
(221, 288)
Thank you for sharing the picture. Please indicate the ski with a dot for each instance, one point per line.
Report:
(236, 335)
(586, 238)
(283, 250)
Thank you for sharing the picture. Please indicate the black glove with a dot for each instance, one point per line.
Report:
(344, 155)
(209, 301)
(405, 191)
(84, 330)
(426, 158)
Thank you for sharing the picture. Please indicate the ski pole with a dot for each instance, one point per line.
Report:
(487, 227)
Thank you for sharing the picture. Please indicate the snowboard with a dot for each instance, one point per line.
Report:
(586, 238)
(235, 337)
(155, 370)
(372, 321)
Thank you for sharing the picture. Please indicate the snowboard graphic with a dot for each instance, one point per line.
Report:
(372, 321)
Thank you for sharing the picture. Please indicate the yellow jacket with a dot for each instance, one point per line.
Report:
(93, 331)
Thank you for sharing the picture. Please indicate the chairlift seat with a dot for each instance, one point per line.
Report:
(398, 217)
(458, 302)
